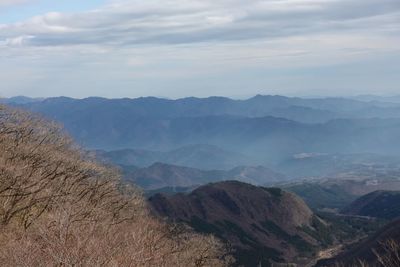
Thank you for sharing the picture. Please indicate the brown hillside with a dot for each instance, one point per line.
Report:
(381, 249)
(262, 224)
(60, 208)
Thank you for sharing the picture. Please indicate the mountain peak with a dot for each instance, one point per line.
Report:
(251, 218)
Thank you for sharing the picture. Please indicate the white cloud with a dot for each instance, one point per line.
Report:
(193, 21)
(18, 41)
(172, 43)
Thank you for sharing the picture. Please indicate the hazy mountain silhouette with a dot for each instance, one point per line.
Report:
(196, 156)
(304, 110)
(241, 126)
(160, 175)
(379, 204)
(20, 100)
(338, 193)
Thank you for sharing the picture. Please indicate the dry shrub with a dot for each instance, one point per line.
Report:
(389, 256)
(58, 207)
(386, 255)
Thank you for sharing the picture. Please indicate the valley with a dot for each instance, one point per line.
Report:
(311, 192)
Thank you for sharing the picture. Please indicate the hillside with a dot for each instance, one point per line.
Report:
(379, 204)
(321, 196)
(262, 224)
(161, 175)
(59, 207)
(385, 243)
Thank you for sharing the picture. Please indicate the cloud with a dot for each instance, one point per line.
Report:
(130, 23)
(141, 47)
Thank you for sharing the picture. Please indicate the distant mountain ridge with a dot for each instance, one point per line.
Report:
(374, 98)
(379, 204)
(301, 109)
(206, 157)
(338, 193)
(20, 100)
(331, 165)
(250, 127)
(161, 175)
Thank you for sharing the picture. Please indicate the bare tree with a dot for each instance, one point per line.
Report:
(389, 254)
(59, 207)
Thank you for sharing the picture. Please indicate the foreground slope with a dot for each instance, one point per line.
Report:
(58, 207)
(381, 249)
(262, 224)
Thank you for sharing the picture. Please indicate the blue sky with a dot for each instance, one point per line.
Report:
(178, 48)
(14, 11)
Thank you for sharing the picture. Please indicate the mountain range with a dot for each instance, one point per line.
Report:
(265, 129)
(161, 175)
(319, 109)
(206, 157)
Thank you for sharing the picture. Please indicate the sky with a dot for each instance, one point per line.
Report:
(179, 48)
